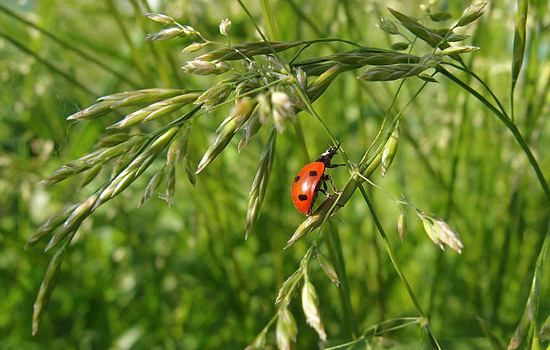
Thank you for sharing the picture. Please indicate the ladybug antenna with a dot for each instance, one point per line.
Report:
(328, 154)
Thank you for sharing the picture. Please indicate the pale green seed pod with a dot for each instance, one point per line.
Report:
(447, 235)
(92, 174)
(112, 140)
(402, 226)
(459, 49)
(225, 27)
(222, 140)
(440, 232)
(170, 183)
(261, 180)
(388, 26)
(426, 34)
(327, 267)
(178, 147)
(249, 49)
(160, 18)
(471, 14)
(250, 129)
(393, 72)
(152, 186)
(194, 47)
(94, 111)
(388, 154)
(313, 221)
(310, 306)
(286, 329)
(289, 286)
(283, 110)
(81, 212)
(520, 40)
(67, 170)
(46, 288)
(215, 95)
(200, 67)
(51, 224)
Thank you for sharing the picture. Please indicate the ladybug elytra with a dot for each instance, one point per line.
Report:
(312, 179)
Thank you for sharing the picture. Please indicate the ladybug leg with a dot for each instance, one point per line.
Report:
(335, 165)
(324, 188)
(329, 178)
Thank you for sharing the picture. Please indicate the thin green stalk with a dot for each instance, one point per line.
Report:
(270, 20)
(140, 63)
(48, 65)
(155, 48)
(509, 124)
(335, 249)
(69, 46)
(397, 267)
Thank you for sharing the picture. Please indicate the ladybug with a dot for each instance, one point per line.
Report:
(312, 179)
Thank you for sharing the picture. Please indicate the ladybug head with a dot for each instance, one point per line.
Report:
(328, 154)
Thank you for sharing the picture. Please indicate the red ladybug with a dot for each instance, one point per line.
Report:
(307, 182)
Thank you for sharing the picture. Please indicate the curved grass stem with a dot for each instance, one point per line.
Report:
(397, 268)
(508, 122)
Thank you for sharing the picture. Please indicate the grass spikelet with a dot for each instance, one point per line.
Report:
(327, 267)
(202, 67)
(459, 49)
(152, 186)
(92, 174)
(222, 140)
(156, 110)
(393, 72)
(49, 225)
(72, 223)
(471, 14)
(440, 232)
(313, 221)
(388, 154)
(412, 25)
(310, 306)
(46, 289)
(286, 329)
(261, 180)
(96, 110)
(237, 52)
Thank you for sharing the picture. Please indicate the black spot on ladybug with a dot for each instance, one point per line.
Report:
(302, 197)
(297, 178)
(313, 173)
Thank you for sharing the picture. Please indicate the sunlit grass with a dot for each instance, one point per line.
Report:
(182, 275)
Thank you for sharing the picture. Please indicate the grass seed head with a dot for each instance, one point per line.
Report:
(46, 288)
(326, 265)
(471, 14)
(200, 67)
(51, 224)
(261, 180)
(160, 18)
(286, 329)
(152, 186)
(222, 140)
(388, 26)
(402, 226)
(225, 27)
(310, 306)
(94, 111)
(283, 110)
(388, 154)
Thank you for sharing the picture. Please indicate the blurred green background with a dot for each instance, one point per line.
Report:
(183, 277)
